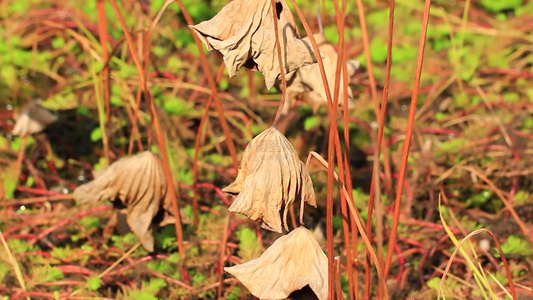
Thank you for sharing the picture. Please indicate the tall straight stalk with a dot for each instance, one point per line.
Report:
(159, 133)
(213, 86)
(408, 134)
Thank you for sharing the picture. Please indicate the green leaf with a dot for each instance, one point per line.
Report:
(337, 223)
(93, 283)
(495, 6)
(311, 122)
(403, 53)
(4, 270)
(177, 106)
(58, 42)
(479, 198)
(166, 237)
(46, 273)
(223, 84)
(433, 283)
(154, 285)
(83, 110)
(378, 50)
(511, 97)
(8, 73)
(17, 141)
(521, 197)
(234, 293)
(90, 222)
(96, 134)
(332, 34)
(249, 246)
(62, 253)
(516, 245)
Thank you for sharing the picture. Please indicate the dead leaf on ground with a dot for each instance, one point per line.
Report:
(306, 83)
(33, 118)
(140, 184)
(270, 178)
(243, 31)
(289, 264)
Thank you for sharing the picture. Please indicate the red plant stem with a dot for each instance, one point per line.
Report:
(103, 36)
(67, 221)
(134, 126)
(63, 283)
(38, 191)
(338, 285)
(333, 142)
(329, 200)
(402, 262)
(41, 295)
(52, 197)
(222, 257)
(4, 201)
(280, 62)
(213, 86)
(217, 190)
(159, 134)
(172, 280)
(375, 186)
(20, 155)
(197, 142)
(341, 70)
(373, 91)
(408, 135)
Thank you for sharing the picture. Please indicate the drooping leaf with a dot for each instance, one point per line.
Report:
(139, 183)
(33, 119)
(243, 31)
(270, 178)
(289, 264)
(307, 83)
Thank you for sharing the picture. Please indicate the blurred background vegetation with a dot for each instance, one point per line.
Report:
(473, 142)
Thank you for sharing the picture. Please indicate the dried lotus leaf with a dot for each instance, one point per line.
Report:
(306, 83)
(243, 32)
(32, 119)
(270, 178)
(139, 182)
(289, 264)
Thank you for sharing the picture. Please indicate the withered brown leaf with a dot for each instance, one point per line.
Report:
(270, 178)
(139, 183)
(243, 32)
(289, 264)
(307, 83)
(33, 118)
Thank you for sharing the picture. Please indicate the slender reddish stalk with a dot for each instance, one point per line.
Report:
(67, 221)
(366, 46)
(4, 201)
(159, 134)
(373, 91)
(280, 62)
(197, 150)
(329, 199)
(103, 37)
(355, 216)
(375, 186)
(20, 155)
(331, 143)
(341, 70)
(213, 86)
(338, 285)
(134, 126)
(222, 257)
(408, 134)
